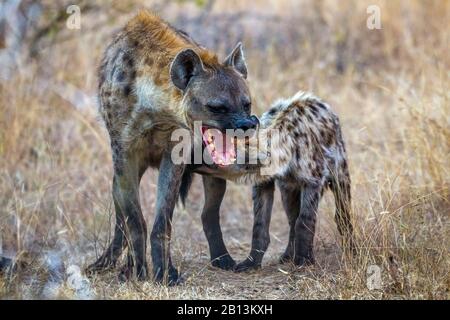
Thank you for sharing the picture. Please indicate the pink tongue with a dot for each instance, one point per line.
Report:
(221, 149)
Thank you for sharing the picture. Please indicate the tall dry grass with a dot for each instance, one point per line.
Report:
(390, 87)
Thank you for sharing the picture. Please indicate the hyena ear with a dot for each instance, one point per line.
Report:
(186, 64)
(236, 60)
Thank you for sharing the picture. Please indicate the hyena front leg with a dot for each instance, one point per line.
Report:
(214, 189)
(305, 226)
(169, 180)
(291, 203)
(262, 209)
(130, 229)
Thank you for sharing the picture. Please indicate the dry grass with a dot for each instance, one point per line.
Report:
(391, 88)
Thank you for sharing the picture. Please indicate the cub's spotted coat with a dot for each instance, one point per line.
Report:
(307, 153)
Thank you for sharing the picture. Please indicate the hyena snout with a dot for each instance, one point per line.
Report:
(250, 123)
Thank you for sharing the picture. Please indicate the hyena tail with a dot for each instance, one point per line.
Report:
(186, 182)
(340, 186)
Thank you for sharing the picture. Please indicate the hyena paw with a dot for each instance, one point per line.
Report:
(224, 262)
(286, 258)
(303, 261)
(172, 278)
(247, 265)
(128, 272)
(101, 265)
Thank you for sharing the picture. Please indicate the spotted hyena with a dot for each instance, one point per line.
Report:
(153, 80)
(303, 140)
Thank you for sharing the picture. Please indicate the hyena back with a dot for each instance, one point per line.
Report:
(307, 157)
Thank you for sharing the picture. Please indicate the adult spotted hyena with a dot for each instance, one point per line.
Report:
(301, 137)
(155, 79)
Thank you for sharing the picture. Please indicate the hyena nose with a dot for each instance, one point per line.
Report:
(246, 124)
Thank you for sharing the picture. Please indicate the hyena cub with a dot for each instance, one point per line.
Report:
(303, 138)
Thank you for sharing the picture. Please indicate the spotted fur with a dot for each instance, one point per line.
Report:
(308, 148)
(154, 79)
(307, 157)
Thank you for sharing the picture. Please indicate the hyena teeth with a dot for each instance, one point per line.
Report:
(210, 137)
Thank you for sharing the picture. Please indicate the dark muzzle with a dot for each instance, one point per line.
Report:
(251, 122)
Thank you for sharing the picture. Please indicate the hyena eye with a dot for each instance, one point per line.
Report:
(217, 109)
(272, 111)
(247, 107)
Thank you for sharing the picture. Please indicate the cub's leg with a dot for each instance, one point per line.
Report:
(130, 229)
(291, 203)
(262, 209)
(305, 226)
(214, 189)
(169, 181)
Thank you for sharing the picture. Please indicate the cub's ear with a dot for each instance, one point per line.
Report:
(236, 60)
(186, 64)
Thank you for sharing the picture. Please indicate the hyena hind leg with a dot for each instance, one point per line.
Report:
(108, 259)
(305, 226)
(290, 198)
(130, 229)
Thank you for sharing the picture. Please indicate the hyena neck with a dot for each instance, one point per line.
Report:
(155, 44)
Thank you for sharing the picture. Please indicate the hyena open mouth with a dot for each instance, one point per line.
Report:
(220, 146)
(224, 146)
